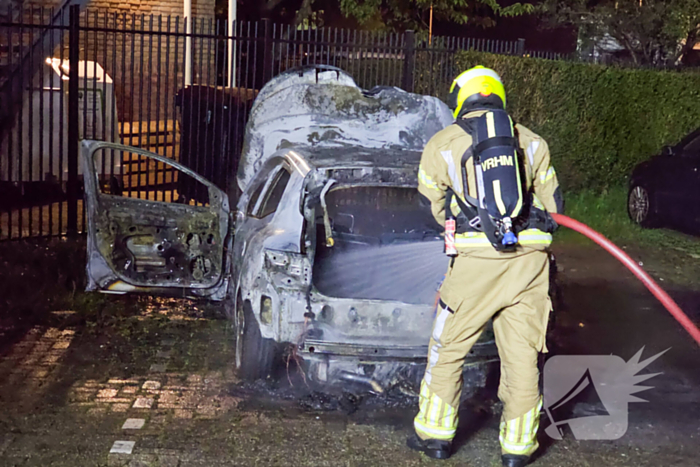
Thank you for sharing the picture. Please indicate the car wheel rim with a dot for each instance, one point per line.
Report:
(639, 204)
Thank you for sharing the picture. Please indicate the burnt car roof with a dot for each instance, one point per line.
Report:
(358, 157)
(322, 108)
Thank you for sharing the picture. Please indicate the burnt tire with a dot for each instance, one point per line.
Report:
(641, 208)
(255, 355)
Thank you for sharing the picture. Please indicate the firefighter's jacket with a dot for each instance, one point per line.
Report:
(440, 168)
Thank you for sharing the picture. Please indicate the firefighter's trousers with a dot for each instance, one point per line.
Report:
(513, 291)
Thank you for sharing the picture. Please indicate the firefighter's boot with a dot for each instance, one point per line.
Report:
(514, 460)
(435, 448)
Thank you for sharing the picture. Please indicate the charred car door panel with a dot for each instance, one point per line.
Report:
(154, 246)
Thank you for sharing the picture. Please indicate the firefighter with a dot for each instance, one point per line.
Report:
(500, 271)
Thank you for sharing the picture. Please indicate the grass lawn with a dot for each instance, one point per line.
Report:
(668, 254)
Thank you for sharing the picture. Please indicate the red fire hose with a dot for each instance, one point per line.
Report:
(650, 284)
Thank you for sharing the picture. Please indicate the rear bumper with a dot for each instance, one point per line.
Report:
(381, 352)
(378, 367)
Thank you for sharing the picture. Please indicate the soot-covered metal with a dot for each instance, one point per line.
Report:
(334, 256)
(139, 244)
(326, 109)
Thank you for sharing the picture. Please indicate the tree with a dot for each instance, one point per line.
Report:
(686, 25)
(653, 32)
(400, 15)
(305, 16)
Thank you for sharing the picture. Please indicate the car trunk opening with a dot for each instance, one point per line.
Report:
(387, 246)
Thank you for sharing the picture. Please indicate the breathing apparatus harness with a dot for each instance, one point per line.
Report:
(502, 208)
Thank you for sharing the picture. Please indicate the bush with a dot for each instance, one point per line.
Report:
(599, 121)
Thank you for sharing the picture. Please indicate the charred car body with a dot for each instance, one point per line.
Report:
(331, 253)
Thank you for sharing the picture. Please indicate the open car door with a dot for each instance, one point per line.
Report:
(155, 227)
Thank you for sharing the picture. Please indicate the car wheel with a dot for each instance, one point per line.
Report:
(255, 355)
(640, 207)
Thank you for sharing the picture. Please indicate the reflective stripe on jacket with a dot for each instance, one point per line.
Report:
(529, 237)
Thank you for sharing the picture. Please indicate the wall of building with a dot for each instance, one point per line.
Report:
(148, 68)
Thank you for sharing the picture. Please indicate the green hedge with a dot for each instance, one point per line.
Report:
(599, 121)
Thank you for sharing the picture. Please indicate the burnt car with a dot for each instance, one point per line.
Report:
(665, 190)
(331, 257)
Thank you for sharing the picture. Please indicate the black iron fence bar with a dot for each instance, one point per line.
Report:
(123, 95)
(30, 116)
(150, 86)
(61, 127)
(267, 51)
(207, 164)
(409, 61)
(141, 160)
(52, 48)
(113, 109)
(132, 78)
(159, 61)
(41, 127)
(73, 121)
(20, 134)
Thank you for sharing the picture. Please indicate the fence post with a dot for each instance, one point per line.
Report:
(409, 61)
(267, 52)
(521, 47)
(72, 187)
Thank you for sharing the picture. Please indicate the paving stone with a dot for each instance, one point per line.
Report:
(122, 447)
(143, 403)
(158, 367)
(151, 385)
(163, 354)
(107, 393)
(97, 411)
(62, 345)
(133, 424)
(119, 408)
(183, 413)
(123, 381)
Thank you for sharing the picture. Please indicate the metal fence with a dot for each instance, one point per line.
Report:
(545, 54)
(67, 75)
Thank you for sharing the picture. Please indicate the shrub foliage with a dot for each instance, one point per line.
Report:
(599, 121)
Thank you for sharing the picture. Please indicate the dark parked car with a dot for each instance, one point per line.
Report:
(665, 190)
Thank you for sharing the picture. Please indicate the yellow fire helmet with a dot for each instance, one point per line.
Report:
(479, 88)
